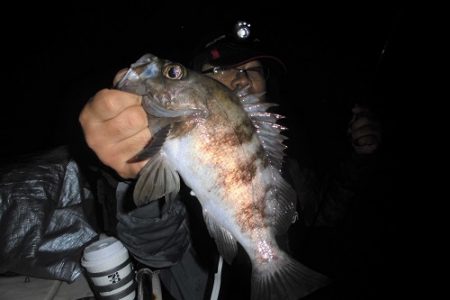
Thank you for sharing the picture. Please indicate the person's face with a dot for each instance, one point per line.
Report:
(250, 74)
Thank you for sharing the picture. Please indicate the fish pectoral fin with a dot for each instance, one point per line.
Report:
(157, 179)
(153, 147)
(226, 243)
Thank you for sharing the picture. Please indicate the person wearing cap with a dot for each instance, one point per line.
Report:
(115, 126)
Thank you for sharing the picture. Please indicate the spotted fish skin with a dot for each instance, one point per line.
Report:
(228, 149)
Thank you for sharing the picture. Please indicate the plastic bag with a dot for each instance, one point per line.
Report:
(43, 224)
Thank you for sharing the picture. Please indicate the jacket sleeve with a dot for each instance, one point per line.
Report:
(155, 235)
(44, 226)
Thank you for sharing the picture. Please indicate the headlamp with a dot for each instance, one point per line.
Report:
(242, 30)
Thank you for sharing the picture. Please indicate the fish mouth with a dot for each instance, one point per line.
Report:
(119, 76)
(140, 67)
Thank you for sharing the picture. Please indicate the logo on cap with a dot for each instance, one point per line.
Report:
(215, 53)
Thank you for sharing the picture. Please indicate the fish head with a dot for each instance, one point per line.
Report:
(170, 85)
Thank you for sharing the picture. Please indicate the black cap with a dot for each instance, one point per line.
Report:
(236, 47)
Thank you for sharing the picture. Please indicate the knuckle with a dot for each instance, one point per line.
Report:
(82, 118)
(105, 101)
(96, 146)
(109, 158)
(134, 118)
(144, 137)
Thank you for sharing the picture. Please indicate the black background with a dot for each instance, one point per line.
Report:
(55, 57)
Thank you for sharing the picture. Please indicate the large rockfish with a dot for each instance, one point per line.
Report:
(229, 151)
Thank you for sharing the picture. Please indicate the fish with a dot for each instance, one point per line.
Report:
(228, 149)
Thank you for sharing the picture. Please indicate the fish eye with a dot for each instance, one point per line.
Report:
(174, 71)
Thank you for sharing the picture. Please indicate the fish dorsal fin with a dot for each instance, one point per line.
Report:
(226, 244)
(269, 132)
(281, 199)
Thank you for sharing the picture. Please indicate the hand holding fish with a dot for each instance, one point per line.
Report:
(115, 127)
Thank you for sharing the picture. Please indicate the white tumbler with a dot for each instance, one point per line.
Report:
(109, 269)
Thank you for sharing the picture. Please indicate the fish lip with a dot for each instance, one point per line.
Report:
(144, 60)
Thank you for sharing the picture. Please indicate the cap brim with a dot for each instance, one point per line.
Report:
(235, 61)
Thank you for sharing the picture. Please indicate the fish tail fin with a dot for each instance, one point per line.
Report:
(285, 279)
